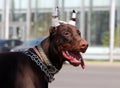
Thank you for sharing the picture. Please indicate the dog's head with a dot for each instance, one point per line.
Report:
(68, 43)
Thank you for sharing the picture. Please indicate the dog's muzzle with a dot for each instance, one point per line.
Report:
(74, 56)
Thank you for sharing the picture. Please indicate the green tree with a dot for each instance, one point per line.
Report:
(106, 37)
(117, 37)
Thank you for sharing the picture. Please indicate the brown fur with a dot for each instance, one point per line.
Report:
(18, 71)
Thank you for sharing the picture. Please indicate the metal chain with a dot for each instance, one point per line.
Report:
(52, 69)
(41, 65)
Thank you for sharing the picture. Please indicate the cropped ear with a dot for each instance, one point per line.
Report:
(55, 21)
(73, 18)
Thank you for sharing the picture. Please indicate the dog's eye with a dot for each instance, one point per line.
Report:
(66, 33)
(79, 33)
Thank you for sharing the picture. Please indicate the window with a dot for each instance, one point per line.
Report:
(40, 27)
(19, 17)
(99, 28)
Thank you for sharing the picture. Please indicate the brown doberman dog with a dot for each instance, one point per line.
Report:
(17, 70)
(35, 67)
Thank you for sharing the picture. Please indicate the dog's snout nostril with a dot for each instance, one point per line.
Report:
(84, 45)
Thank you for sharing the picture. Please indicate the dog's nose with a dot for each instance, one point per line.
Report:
(83, 45)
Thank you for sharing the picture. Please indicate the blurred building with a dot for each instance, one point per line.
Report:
(98, 20)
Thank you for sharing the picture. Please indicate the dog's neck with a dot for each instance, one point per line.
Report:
(52, 53)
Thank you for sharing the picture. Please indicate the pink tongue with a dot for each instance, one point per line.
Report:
(75, 60)
(82, 64)
(70, 58)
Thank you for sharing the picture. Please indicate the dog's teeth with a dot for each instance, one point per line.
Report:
(73, 57)
(67, 52)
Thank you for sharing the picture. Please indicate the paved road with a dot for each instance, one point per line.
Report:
(94, 76)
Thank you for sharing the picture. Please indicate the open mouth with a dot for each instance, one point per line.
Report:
(74, 57)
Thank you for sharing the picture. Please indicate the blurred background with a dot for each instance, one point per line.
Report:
(27, 22)
(98, 21)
